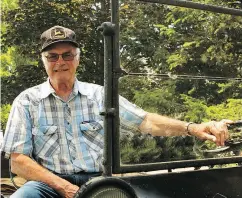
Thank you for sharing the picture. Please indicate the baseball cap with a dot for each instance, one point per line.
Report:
(57, 34)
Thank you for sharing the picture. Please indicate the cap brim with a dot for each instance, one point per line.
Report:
(60, 41)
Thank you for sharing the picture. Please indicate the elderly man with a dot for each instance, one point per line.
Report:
(54, 134)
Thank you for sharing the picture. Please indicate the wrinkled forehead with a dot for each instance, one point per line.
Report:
(60, 48)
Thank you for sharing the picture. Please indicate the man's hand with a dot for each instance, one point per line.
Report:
(213, 131)
(69, 191)
(158, 125)
(28, 169)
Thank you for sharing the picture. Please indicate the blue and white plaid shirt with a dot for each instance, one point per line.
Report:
(64, 137)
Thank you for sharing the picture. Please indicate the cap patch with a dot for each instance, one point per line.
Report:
(58, 33)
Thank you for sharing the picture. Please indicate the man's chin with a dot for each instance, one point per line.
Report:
(63, 79)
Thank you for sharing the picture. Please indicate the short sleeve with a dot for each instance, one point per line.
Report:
(131, 116)
(18, 133)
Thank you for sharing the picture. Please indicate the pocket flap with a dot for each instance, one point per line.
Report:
(91, 126)
(44, 130)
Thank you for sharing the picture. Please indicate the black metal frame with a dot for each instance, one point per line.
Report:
(112, 72)
(198, 6)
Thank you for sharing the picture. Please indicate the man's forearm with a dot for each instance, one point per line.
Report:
(158, 125)
(28, 169)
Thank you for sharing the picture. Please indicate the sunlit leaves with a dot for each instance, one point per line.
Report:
(12, 58)
(231, 109)
(5, 110)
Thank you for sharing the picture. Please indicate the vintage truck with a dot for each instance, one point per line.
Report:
(209, 183)
(190, 182)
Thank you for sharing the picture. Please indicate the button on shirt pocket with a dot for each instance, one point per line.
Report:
(45, 141)
(92, 134)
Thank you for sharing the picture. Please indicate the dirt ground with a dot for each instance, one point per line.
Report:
(7, 187)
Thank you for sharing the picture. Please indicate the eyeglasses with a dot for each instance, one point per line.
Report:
(67, 56)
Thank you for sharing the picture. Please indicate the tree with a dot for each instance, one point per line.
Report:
(153, 38)
(12, 59)
(84, 17)
(23, 77)
(162, 39)
(5, 109)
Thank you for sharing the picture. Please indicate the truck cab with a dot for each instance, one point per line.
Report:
(211, 176)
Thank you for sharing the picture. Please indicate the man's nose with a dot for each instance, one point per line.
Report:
(60, 59)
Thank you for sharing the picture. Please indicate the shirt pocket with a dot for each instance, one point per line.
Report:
(46, 141)
(92, 134)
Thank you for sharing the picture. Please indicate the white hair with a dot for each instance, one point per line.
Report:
(78, 52)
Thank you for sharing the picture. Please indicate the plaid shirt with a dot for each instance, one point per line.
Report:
(64, 137)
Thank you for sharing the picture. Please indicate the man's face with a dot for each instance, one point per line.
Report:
(61, 62)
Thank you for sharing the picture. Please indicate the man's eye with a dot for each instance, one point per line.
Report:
(52, 56)
(67, 55)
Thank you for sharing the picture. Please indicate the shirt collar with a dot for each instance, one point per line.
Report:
(47, 89)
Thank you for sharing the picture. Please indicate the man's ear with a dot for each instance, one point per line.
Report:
(43, 59)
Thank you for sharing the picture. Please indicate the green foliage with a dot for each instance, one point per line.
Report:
(160, 39)
(232, 89)
(23, 77)
(160, 100)
(176, 148)
(11, 59)
(82, 16)
(143, 149)
(176, 60)
(196, 109)
(9, 4)
(128, 86)
(139, 150)
(153, 38)
(232, 110)
(5, 110)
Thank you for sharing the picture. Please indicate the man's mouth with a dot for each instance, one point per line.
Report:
(60, 70)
